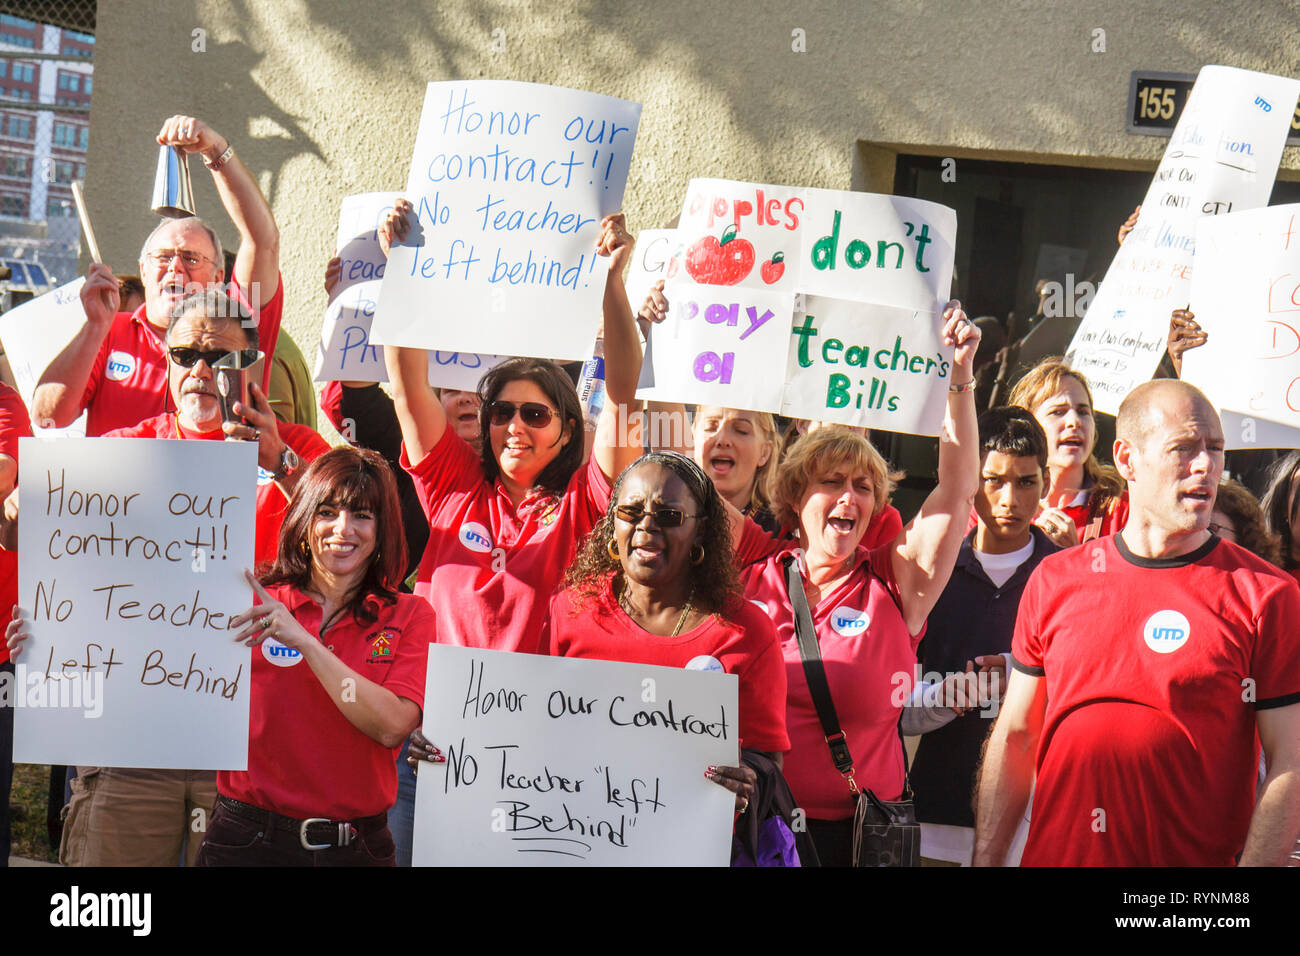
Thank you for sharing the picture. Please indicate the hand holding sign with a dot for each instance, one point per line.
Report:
(269, 618)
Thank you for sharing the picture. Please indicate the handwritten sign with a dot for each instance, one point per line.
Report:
(557, 761)
(1246, 295)
(1222, 158)
(859, 363)
(720, 346)
(34, 333)
(130, 558)
(346, 352)
(750, 246)
(510, 182)
(657, 256)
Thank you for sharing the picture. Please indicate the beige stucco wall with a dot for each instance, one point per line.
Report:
(322, 98)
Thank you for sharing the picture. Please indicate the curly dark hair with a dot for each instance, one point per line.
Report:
(1235, 500)
(356, 479)
(558, 387)
(715, 580)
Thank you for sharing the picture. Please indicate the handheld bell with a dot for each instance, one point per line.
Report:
(172, 195)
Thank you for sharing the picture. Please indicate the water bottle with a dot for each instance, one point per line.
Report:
(591, 386)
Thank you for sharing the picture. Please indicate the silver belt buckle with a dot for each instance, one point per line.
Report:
(302, 833)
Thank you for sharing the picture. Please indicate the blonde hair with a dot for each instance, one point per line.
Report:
(1038, 385)
(821, 452)
(765, 474)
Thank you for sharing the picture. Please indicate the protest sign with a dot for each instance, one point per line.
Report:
(510, 182)
(34, 333)
(859, 363)
(555, 760)
(131, 554)
(741, 234)
(651, 261)
(1222, 158)
(720, 346)
(1245, 292)
(346, 352)
(872, 248)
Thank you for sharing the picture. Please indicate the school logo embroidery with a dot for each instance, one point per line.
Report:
(278, 654)
(848, 621)
(381, 647)
(1166, 631)
(119, 365)
(704, 662)
(475, 537)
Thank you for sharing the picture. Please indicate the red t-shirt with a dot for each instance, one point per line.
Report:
(14, 424)
(488, 570)
(128, 382)
(745, 646)
(305, 759)
(271, 501)
(1102, 524)
(870, 662)
(1149, 666)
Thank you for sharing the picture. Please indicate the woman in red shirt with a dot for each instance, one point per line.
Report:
(1085, 499)
(868, 604)
(505, 522)
(337, 679)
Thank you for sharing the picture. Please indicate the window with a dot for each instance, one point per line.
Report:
(55, 207)
(85, 86)
(80, 37)
(65, 134)
(13, 206)
(15, 40)
(18, 93)
(70, 81)
(64, 172)
(17, 270)
(20, 127)
(10, 20)
(24, 73)
(38, 274)
(18, 167)
(4, 69)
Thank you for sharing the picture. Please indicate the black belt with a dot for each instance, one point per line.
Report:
(314, 833)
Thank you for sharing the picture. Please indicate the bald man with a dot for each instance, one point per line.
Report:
(1143, 665)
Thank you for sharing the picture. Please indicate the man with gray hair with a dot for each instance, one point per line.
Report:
(116, 366)
(1144, 664)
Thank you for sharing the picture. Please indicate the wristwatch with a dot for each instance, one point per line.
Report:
(289, 463)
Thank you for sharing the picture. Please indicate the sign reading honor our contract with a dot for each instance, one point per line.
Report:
(809, 302)
(510, 182)
(130, 556)
(1222, 158)
(346, 352)
(559, 761)
(1246, 295)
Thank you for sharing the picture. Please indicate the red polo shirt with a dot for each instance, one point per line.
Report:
(305, 759)
(271, 501)
(14, 424)
(128, 381)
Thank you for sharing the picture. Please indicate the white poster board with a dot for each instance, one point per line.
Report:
(1222, 158)
(879, 266)
(346, 353)
(1245, 293)
(510, 182)
(860, 363)
(558, 761)
(131, 553)
(34, 333)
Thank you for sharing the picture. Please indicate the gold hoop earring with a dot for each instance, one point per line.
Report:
(305, 548)
(700, 559)
(612, 548)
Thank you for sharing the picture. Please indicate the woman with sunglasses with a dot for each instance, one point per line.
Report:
(505, 522)
(329, 714)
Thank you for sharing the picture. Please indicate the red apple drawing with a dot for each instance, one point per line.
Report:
(774, 269)
(726, 262)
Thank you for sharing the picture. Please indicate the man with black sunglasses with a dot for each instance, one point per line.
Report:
(115, 368)
(120, 816)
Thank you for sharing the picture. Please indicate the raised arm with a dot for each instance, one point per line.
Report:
(1275, 824)
(1006, 777)
(57, 399)
(257, 263)
(618, 444)
(927, 548)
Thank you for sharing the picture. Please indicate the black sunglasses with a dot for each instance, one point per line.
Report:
(186, 357)
(534, 414)
(664, 517)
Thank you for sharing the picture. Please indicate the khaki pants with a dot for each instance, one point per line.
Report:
(131, 817)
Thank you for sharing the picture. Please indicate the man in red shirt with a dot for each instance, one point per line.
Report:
(137, 817)
(1144, 665)
(116, 367)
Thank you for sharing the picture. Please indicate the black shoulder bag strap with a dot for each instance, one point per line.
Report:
(820, 690)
